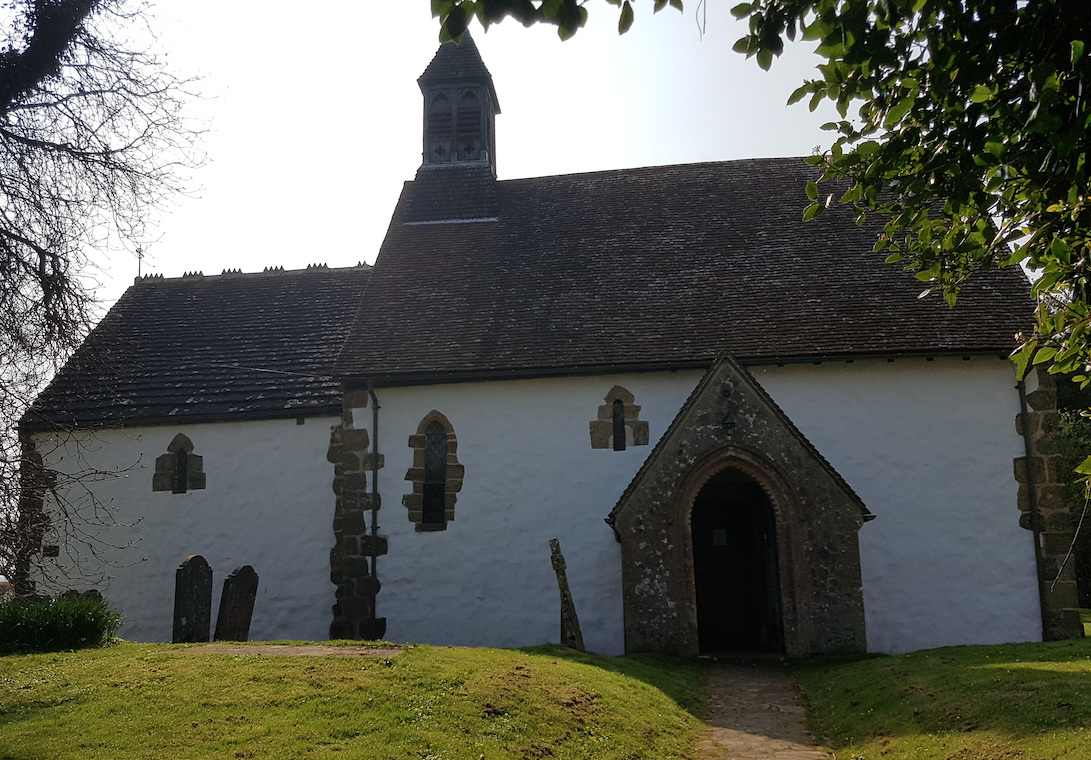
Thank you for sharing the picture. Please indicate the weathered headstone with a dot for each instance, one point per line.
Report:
(570, 624)
(237, 605)
(192, 600)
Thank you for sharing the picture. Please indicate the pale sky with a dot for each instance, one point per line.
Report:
(315, 117)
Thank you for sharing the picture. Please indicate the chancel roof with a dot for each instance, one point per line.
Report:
(196, 348)
(655, 268)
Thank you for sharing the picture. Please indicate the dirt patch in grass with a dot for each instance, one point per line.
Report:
(304, 650)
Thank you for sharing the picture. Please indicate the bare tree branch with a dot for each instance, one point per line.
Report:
(92, 138)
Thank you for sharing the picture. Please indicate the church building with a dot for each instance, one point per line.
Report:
(747, 432)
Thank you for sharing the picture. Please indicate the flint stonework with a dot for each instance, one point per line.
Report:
(730, 422)
(237, 605)
(192, 600)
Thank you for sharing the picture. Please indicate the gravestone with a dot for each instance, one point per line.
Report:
(237, 605)
(192, 600)
(570, 624)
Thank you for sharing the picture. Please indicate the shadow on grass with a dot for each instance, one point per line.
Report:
(684, 681)
(1020, 692)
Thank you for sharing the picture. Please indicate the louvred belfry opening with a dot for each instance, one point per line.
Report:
(456, 181)
(460, 106)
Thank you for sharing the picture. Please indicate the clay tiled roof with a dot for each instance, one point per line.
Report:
(655, 267)
(196, 348)
(458, 62)
(452, 192)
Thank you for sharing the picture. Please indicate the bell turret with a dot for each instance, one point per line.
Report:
(456, 181)
(460, 107)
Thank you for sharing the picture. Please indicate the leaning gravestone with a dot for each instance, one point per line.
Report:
(571, 636)
(192, 600)
(237, 605)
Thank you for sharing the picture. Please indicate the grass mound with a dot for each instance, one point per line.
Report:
(168, 701)
(1011, 702)
(66, 622)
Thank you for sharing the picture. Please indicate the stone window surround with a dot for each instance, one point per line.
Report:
(602, 429)
(414, 501)
(179, 461)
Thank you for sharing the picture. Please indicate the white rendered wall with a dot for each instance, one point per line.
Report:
(928, 446)
(531, 475)
(268, 503)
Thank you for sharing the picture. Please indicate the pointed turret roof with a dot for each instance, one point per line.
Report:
(458, 62)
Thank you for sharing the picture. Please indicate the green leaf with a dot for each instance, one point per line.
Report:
(765, 58)
(898, 112)
(981, 93)
(454, 25)
(742, 10)
(1044, 354)
(1061, 251)
(799, 92)
(812, 191)
(817, 30)
(1046, 122)
(1084, 467)
(812, 211)
(1020, 357)
(1077, 51)
(676, 4)
(626, 20)
(659, 5)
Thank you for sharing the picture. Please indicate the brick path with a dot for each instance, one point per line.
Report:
(755, 715)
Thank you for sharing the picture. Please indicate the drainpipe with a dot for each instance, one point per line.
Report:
(374, 477)
(1032, 496)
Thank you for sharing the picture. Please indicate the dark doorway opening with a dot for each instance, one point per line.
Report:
(735, 569)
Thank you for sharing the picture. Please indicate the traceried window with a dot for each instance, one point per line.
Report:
(436, 474)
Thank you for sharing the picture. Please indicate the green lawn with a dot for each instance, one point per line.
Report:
(1012, 702)
(163, 701)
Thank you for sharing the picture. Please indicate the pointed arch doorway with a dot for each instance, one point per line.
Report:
(809, 564)
(735, 567)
